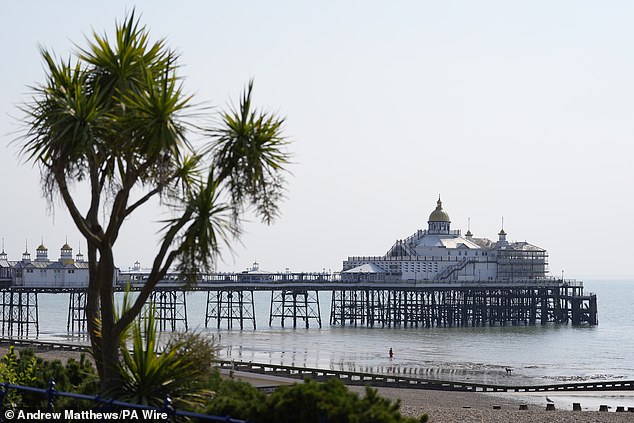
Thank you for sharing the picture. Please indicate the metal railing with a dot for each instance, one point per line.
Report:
(111, 409)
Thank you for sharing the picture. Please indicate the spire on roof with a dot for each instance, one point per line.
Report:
(502, 230)
(502, 240)
(79, 257)
(26, 257)
(3, 255)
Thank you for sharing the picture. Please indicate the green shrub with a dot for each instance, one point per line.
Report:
(29, 370)
(17, 372)
(308, 402)
(236, 399)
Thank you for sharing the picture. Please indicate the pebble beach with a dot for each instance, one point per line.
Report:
(472, 407)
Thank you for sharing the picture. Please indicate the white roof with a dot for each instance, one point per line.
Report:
(525, 246)
(447, 241)
(366, 268)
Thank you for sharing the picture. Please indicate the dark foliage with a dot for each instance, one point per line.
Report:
(307, 402)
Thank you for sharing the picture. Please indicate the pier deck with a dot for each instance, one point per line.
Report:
(295, 302)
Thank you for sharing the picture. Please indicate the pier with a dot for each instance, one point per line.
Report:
(436, 277)
(294, 302)
(466, 304)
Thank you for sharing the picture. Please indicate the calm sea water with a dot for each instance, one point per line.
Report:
(538, 354)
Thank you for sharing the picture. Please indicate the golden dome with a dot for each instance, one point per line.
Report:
(439, 215)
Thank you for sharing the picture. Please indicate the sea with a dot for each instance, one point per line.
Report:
(537, 354)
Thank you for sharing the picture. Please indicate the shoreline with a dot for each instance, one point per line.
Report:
(456, 406)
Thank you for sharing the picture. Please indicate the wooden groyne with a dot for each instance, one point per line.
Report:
(399, 381)
(37, 345)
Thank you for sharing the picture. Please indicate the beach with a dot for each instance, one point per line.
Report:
(450, 406)
(464, 407)
(447, 406)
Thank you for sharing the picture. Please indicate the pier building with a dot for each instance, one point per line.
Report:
(439, 277)
(66, 272)
(435, 277)
(442, 254)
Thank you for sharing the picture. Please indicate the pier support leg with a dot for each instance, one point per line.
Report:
(76, 322)
(170, 307)
(230, 306)
(19, 313)
(302, 305)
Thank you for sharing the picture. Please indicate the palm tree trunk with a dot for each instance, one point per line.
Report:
(100, 313)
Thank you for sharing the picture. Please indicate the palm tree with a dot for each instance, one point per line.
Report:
(114, 118)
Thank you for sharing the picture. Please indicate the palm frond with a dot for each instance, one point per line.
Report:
(249, 154)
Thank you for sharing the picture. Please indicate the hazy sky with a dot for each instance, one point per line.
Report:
(517, 109)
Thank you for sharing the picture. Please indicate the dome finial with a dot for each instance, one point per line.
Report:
(439, 215)
(439, 220)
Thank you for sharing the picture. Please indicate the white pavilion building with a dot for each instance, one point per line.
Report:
(440, 254)
(66, 272)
